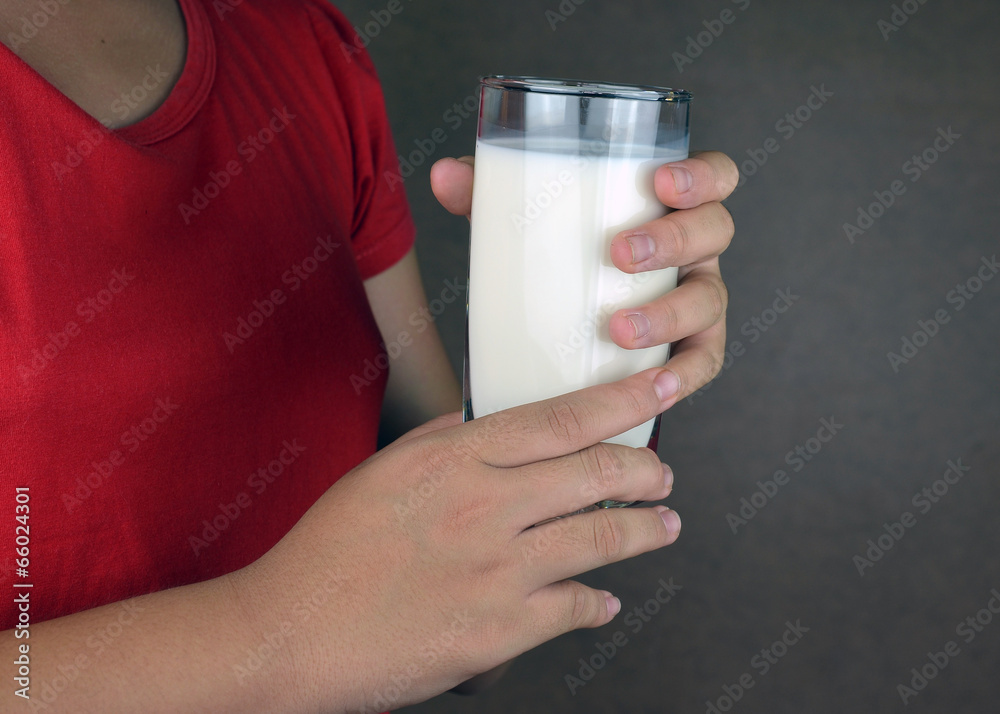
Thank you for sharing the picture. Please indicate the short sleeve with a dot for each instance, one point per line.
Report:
(382, 229)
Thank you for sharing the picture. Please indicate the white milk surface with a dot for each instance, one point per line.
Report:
(542, 287)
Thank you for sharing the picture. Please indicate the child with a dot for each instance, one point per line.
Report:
(200, 250)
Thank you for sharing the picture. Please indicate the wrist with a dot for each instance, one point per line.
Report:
(262, 642)
(292, 653)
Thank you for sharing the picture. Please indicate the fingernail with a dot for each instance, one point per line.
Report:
(666, 385)
(682, 178)
(668, 477)
(614, 604)
(671, 520)
(642, 247)
(640, 323)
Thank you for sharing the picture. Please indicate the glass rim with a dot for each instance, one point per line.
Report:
(574, 87)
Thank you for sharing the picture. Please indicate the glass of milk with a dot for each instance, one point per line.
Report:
(561, 168)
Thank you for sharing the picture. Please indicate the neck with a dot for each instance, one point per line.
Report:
(100, 53)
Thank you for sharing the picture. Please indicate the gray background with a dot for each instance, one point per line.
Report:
(825, 357)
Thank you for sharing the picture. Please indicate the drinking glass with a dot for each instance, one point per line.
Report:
(562, 166)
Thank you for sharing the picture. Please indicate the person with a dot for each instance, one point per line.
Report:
(203, 264)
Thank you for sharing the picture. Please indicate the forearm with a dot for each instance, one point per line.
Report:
(184, 649)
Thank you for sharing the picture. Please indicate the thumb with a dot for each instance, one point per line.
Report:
(451, 182)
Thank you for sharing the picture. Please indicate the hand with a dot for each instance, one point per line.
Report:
(691, 238)
(420, 568)
(692, 317)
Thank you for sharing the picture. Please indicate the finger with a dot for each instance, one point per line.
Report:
(699, 302)
(702, 178)
(566, 606)
(451, 182)
(570, 546)
(698, 359)
(680, 238)
(565, 424)
(565, 485)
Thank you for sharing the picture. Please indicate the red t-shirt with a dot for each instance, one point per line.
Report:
(182, 308)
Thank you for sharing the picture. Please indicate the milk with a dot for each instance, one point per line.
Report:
(542, 287)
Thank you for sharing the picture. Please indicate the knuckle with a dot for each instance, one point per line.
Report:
(637, 402)
(580, 613)
(463, 515)
(718, 297)
(609, 536)
(673, 238)
(713, 365)
(604, 466)
(699, 371)
(669, 318)
(566, 421)
(491, 569)
(652, 467)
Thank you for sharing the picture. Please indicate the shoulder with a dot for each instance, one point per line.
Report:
(285, 14)
(299, 24)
